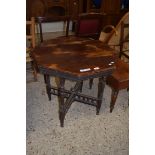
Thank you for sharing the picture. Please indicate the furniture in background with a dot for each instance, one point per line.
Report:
(111, 33)
(30, 26)
(118, 80)
(54, 7)
(89, 25)
(30, 36)
(119, 39)
(116, 39)
(76, 59)
(41, 20)
(120, 77)
(124, 40)
(112, 8)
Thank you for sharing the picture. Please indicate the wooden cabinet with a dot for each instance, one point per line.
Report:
(111, 9)
(111, 6)
(56, 7)
(46, 7)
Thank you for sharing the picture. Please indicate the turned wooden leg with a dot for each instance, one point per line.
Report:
(90, 83)
(114, 95)
(48, 85)
(61, 101)
(101, 86)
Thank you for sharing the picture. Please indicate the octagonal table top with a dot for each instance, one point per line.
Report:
(74, 57)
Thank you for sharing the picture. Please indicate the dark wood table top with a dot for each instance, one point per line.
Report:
(74, 58)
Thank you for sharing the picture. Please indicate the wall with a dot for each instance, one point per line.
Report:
(53, 27)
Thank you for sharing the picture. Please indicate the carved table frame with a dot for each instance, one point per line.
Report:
(73, 95)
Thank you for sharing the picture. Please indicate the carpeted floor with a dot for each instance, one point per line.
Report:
(84, 132)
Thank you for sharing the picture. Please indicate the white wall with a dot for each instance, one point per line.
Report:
(53, 27)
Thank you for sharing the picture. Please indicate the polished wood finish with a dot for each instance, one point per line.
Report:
(80, 53)
(89, 25)
(76, 59)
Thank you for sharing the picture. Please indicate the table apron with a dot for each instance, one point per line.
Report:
(75, 78)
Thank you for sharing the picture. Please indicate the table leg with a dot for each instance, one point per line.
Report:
(61, 101)
(81, 85)
(45, 78)
(90, 83)
(101, 86)
(48, 85)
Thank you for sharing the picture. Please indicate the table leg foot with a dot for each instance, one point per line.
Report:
(97, 111)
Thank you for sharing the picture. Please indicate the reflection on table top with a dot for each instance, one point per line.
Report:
(74, 57)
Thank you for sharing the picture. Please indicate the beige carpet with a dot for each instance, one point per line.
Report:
(84, 132)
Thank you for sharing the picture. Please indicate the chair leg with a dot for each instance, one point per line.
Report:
(90, 83)
(114, 95)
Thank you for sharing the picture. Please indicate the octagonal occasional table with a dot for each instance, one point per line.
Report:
(76, 59)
